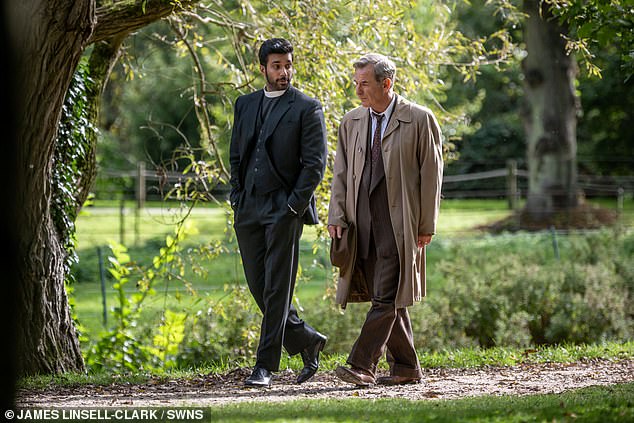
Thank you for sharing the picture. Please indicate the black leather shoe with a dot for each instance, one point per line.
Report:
(260, 378)
(310, 356)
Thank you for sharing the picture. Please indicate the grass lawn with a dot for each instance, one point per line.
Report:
(601, 405)
(144, 233)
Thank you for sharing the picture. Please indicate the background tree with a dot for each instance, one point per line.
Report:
(494, 132)
(550, 115)
(604, 143)
(554, 30)
(602, 36)
(597, 25)
(49, 39)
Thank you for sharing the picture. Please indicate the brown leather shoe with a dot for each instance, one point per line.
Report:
(397, 380)
(355, 375)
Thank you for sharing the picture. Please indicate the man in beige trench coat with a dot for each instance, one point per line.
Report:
(386, 191)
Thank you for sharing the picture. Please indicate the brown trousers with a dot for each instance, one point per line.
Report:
(377, 257)
(385, 326)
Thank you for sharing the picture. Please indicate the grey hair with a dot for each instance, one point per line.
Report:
(383, 66)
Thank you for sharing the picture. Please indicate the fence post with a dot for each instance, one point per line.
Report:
(122, 221)
(620, 193)
(140, 198)
(511, 183)
(137, 230)
(555, 243)
(140, 185)
(102, 278)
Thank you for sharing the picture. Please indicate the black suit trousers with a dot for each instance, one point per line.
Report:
(268, 237)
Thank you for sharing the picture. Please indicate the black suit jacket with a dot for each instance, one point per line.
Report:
(295, 142)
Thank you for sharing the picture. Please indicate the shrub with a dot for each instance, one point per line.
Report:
(513, 299)
(226, 329)
(493, 291)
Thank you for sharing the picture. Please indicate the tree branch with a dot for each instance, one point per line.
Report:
(121, 18)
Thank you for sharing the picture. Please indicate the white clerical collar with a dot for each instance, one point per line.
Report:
(273, 94)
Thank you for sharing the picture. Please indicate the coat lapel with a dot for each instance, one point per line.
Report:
(360, 137)
(400, 114)
(250, 115)
(284, 105)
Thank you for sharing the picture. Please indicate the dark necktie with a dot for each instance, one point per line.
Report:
(376, 140)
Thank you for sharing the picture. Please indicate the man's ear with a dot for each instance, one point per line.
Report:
(387, 83)
(262, 69)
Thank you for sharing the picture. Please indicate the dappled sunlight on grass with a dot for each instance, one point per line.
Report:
(456, 236)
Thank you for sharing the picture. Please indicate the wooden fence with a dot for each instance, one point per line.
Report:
(145, 181)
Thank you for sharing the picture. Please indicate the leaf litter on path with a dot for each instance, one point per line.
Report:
(437, 383)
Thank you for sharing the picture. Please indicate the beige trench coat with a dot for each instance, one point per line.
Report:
(412, 156)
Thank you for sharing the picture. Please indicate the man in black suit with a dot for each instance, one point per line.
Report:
(278, 157)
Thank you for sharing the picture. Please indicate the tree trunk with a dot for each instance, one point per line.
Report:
(50, 37)
(549, 115)
(102, 59)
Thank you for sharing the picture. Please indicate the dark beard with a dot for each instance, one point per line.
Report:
(275, 84)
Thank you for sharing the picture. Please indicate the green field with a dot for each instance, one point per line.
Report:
(145, 235)
(144, 232)
(596, 404)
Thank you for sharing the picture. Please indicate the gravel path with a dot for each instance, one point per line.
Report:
(210, 390)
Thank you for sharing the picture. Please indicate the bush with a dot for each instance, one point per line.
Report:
(493, 291)
(510, 299)
(226, 329)
(512, 291)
